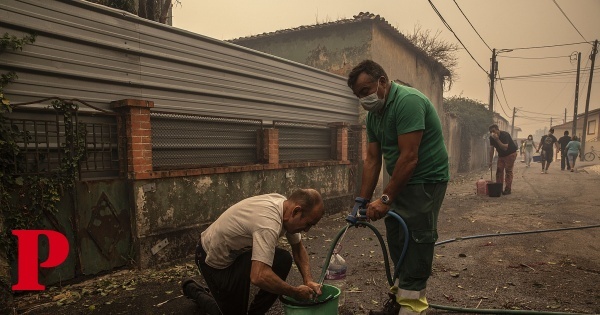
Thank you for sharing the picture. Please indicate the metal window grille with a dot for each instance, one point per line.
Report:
(304, 142)
(184, 140)
(43, 143)
(102, 153)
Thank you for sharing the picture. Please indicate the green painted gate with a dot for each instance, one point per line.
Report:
(95, 214)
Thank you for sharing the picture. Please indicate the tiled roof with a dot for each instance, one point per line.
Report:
(360, 18)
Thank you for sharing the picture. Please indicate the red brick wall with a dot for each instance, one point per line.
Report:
(135, 119)
(270, 146)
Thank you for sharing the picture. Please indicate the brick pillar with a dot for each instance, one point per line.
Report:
(341, 139)
(135, 117)
(362, 142)
(270, 146)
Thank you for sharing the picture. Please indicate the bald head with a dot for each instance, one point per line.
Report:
(309, 200)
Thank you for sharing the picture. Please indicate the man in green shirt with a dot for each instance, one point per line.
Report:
(403, 126)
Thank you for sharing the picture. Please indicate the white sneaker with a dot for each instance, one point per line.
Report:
(546, 171)
(543, 172)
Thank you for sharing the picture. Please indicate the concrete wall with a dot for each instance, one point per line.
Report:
(480, 149)
(477, 152)
(401, 63)
(179, 208)
(337, 48)
(452, 135)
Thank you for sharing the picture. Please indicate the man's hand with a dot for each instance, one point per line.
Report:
(377, 210)
(304, 292)
(494, 136)
(315, 287)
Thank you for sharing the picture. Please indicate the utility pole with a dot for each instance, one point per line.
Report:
(565, 119)
(550, 122)
(574, 130)
(492, 78)
(587, 101)
(512, 127)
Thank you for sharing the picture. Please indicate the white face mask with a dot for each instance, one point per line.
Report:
(372, 102)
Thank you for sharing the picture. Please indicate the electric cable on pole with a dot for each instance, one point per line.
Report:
(587, 101)
(512, 127)
(574, 129)
(492, 77)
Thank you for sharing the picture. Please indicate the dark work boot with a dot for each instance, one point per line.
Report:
(201, 295)
(391, 307)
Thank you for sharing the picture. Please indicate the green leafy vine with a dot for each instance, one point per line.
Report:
(26, 196)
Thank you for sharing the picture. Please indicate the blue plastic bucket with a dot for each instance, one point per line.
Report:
(326, 304)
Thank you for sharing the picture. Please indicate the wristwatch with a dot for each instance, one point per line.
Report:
(385, 199)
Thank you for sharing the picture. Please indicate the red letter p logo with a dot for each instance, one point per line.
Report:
(27, 260)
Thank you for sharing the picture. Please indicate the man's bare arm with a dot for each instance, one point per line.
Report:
(262, 276)
(371, 170)
(408, 144)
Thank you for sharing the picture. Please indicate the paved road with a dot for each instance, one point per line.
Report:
(557, 271)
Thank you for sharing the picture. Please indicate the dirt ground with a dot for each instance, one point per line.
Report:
(556, 271)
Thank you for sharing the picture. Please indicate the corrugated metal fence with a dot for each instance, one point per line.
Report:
(99, 55)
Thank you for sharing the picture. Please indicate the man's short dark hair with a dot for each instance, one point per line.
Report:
(369, 67)
(494, 126)
(552, 130)
(566, 132)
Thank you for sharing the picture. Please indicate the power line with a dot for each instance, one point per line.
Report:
(563, 12)
(461, 11)
(502, 88)
(530, 112)
(530, 58)
(501, 106)
(531, 123)
(547, 46)
(538, 118)
(544, 82)
(450, 29)
(561, 73)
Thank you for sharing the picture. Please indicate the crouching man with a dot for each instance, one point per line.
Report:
(240, 248)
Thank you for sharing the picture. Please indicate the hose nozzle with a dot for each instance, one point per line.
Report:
(356, 215)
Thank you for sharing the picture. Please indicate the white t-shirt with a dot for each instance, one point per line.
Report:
(255, 223)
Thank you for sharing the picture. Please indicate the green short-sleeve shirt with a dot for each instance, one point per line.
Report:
(408, 110)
